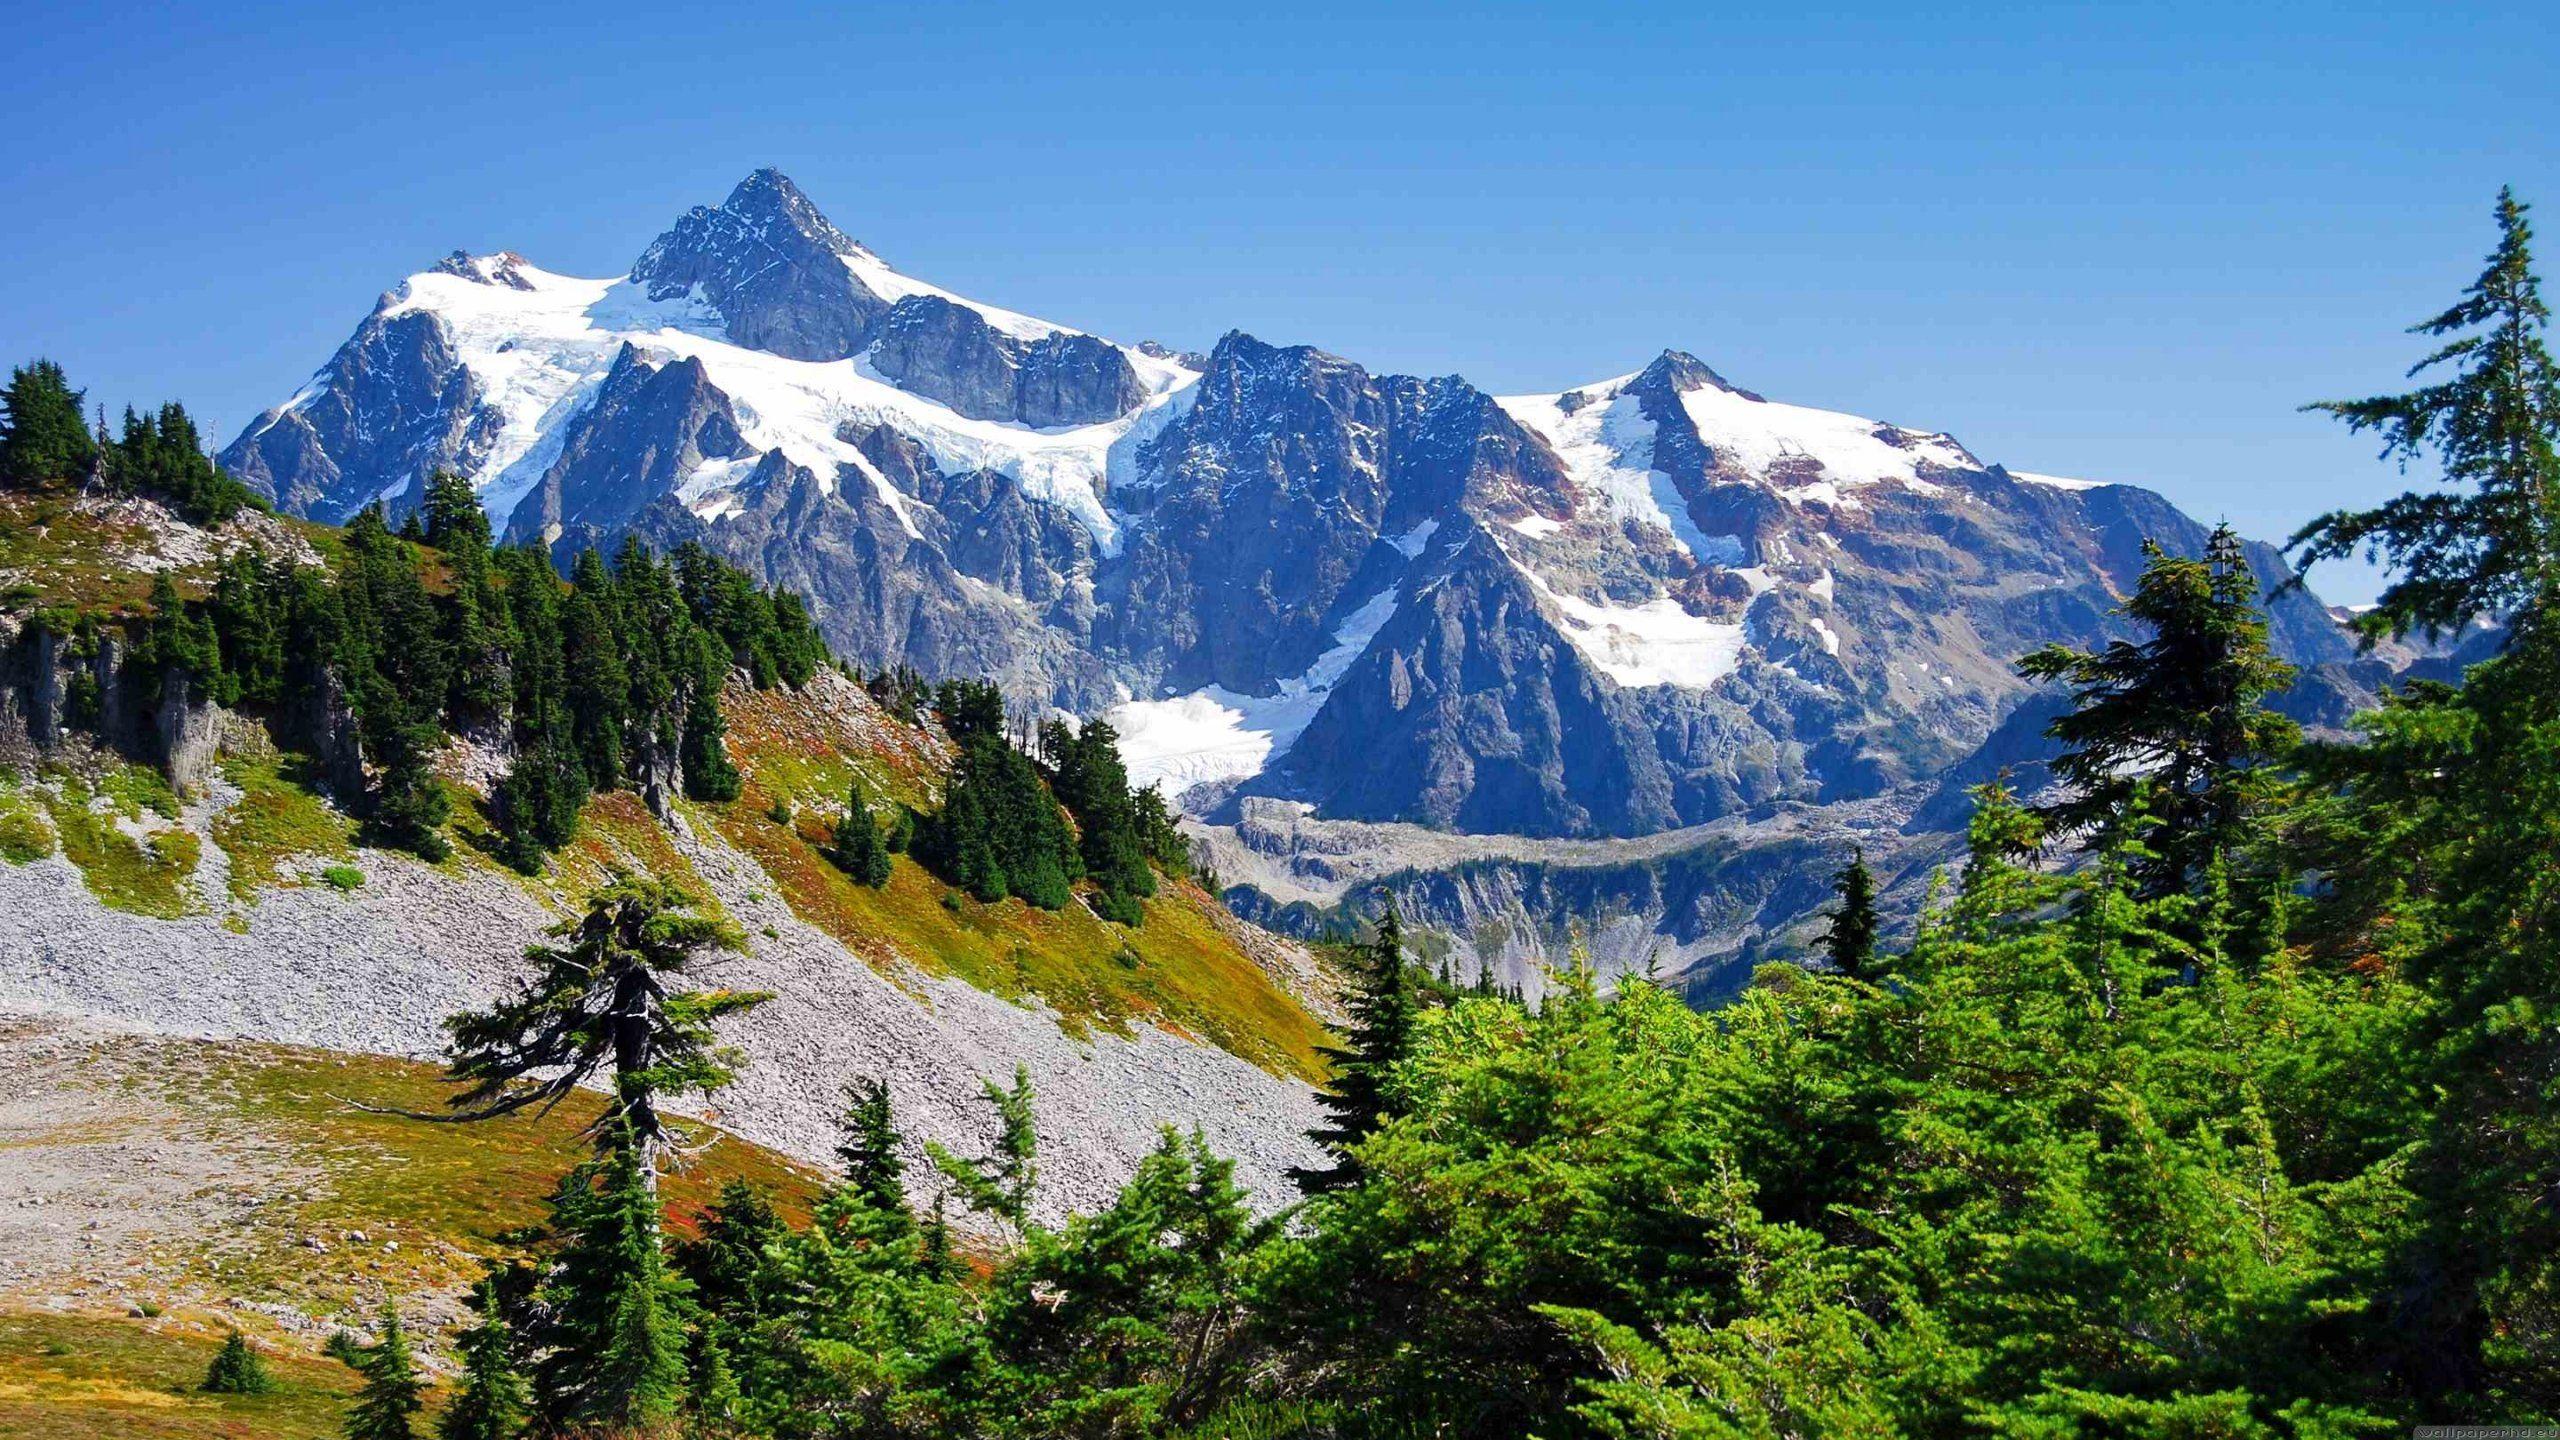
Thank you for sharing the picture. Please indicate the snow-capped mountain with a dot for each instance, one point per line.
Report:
(1647, 603)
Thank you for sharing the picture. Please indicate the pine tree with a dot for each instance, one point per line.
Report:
(384, 1408)
(44, 434)
(2493, 548)
(872, 1167)
(1093, 783)
(605, 999)
(936, 1258)
(409, 804)
(1360, 1098)
(492, 1401)
(237, 1370)
(2181, 715)
(451, 517)
(726, 1262)
(708, 773)
(1001, 1185)
(858, 850)
(610, 1335)
(1850, 943)
(179, 640)
(712, 1393)
(595, 685)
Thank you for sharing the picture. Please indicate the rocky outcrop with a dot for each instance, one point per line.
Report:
(52, 690)
(187, 729)
(773, 269)
(391, 407)
(948, 352)
(650, 428)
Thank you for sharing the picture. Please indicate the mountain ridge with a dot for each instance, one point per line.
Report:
(1626, 608)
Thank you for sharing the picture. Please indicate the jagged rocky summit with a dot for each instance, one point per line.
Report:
(1371, 628)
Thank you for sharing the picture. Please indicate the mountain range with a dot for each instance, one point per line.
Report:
(1638, 661)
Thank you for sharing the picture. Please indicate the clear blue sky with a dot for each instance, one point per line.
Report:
(2119, 243)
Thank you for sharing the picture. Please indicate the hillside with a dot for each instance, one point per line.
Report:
(248, 902)
(163, 1191)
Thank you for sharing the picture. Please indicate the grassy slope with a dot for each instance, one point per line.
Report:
(69, 1377)
(448, 1196)
(1181, 969)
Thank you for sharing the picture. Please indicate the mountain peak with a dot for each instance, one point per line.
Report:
(768, 197)
(772, 266)
(1684, 372)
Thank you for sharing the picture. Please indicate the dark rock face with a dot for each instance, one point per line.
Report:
(392, 407)
(772, 266)
(1469, 712)
(647, 430)
(1276, 504)
(948, 352)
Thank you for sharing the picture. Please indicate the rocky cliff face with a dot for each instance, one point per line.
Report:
(1623, 610)
(770, 267)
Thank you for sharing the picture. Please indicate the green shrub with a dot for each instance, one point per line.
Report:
(343, 878)
(237, 1370)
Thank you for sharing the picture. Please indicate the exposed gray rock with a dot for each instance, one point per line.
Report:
(378, 970)
(391, 407)
(948, 352)
(772, 266)
(649, 427)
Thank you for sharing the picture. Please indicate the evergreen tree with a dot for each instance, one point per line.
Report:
(384, 1408)
(610, 1333)
(595, 684)
(44, 432)
(872, 1167)
(409, 804)
(237, 1370)
(858, 850)
(936, 1258)
(1360, 1096)
(1850, 943)
(451, 518)
(726, 1263)
(1093, 783)
(712, 1396)
(2180, 715)
(606, 999)
(1000, 831)
(491, 1403)
(708, 773)
(2492, 548)
(1001, 1185)
(179, 640)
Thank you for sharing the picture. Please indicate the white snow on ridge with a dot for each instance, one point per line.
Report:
(1807, 454)
(1217, 734)
(1607, 447)
(1761, 435)
(2058, 482)
(537, 355)
(1656, 643)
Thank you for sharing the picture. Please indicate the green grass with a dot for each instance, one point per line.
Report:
(450, 1195)
(145, 877)
(276, 819)
(136, 790)
(65, 1377)
(345, 879)
(25, 835)
(53, 557)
